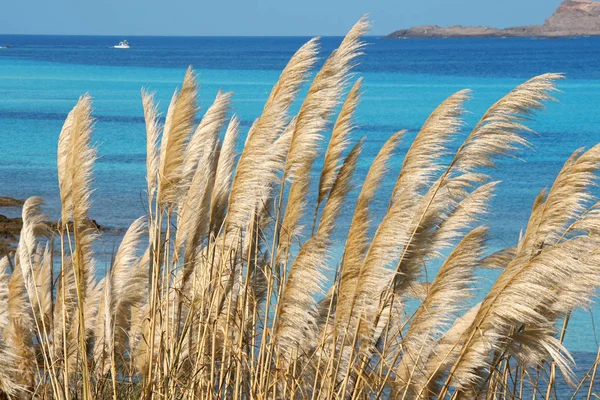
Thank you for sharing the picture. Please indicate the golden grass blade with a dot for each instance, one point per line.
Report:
(357, 243)
(318, 106)
(431, 143)
(224, 175)
(17, 332)
(339, 141)
(519, 297)
(33, 225)
(249, 182)
(64, 162)
(177, 129)
(443, 225)
(43, 283)
(297, 325)
(497, 133)
(153, 130)
(567, 199)
(123, 289)
(82, 156)
(9, 373)
(499, 259)
(323, 97)
(447, 293)
(206, 134)
(194, 217)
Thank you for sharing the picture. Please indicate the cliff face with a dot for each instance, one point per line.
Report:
(575, 17)
(572, 18)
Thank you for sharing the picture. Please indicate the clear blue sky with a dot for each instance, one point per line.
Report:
(257, 17)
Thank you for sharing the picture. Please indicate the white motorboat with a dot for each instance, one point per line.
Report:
(124, 44)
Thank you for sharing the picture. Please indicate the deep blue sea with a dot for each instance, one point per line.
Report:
(41, 78)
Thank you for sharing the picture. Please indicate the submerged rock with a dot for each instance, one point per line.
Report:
(10, 202)
(9, 233)
(10, 228)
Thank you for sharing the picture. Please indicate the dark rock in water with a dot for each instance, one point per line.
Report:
(10, 228)
(10, 202)
(91, 223)
(572, 18)
(9, 233)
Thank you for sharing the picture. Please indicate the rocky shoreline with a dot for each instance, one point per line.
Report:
(11, 227)
(572, 18)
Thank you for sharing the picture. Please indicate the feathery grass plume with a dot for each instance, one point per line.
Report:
(525, 294)
(198, 176)
(323, 96)
(446, 294)
(103, 329)
(422, 159)
(153, 129)
(43, 283)
(339, 141)
(64, 162)
(357, 243)
(297, 325)
(316, 110)
(194, 208)
(64, 316)
(499, 259)
(279, 150)
(249, 182)
(224, 175)
(8, 373)
(82, 155)
(206, 134)
(178, 127)
(419, 167)
(445, 352)
(339, 190)
(122, 290)
(33, 224)
(79, 171)
(497, 133)
(36, 268)
(375, 275)
(20, 330)
(440, 228)
(568, 197)
(520, 305)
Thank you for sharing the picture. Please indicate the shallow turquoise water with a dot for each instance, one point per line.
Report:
(42, 77)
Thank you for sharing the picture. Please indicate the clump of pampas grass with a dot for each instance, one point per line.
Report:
(221, 290)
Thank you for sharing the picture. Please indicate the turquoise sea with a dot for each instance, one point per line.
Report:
(41, 78)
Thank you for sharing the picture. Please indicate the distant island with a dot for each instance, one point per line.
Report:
(572, 18)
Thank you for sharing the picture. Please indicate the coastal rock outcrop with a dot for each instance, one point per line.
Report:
(571, 18)
(10, 228)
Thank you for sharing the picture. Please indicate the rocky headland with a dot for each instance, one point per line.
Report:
(572, 18)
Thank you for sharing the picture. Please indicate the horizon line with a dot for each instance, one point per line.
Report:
(183, 36)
